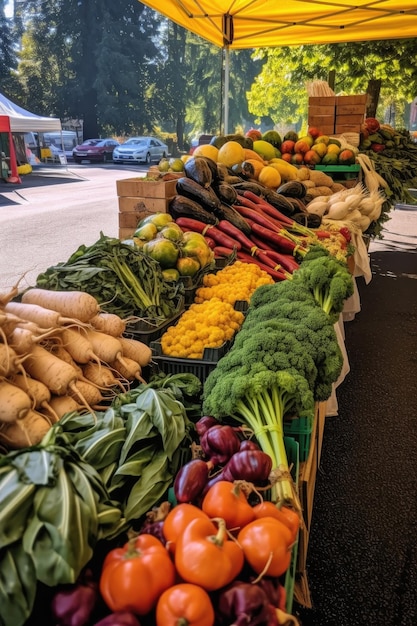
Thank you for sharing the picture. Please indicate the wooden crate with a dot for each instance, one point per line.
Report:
(350, 109)
(357, 99)
(143, 188)
(322, 101)
(321, 110)
(126, 233)
(138, 204)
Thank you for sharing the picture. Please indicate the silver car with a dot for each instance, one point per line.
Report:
(140, 150)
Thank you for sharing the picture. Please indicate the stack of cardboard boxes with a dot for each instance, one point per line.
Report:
(140, 197)
(335, 115)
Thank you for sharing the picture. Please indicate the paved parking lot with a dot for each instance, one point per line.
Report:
(46, 218)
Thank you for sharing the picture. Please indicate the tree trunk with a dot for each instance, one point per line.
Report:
(374, 87)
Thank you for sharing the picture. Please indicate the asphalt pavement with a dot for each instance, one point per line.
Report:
(52, 212)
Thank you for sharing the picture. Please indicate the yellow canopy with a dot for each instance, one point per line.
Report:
(238, 24)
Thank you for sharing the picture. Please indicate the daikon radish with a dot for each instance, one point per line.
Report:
(57, 375)
(14, 402)
(28, 431)
(64, 404)
(10, 363)
(108, 349)
(101, 376)
(72, 304)
(136, 350)
(130, 369)
(43, 317)
(108, 323)
(22, 339)
(338, 211)
(77, 343)
(86, 392)
(37, 392)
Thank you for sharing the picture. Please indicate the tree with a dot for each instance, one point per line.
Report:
(100, 59)
(8, 60)
(280, 88)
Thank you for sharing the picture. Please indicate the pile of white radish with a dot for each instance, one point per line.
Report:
(59, 353)
(357, 205)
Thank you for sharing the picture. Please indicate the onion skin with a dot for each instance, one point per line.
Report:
(219, 443)
(191, 480)
(243, 603)
(204, 423)
(119, 619)
(74, 606)
(253, 466)
(247, 444)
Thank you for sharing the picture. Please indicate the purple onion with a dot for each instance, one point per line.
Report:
(219, 443)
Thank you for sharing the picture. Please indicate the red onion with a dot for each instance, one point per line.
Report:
(73, 605)
(243, 603)
(119, 619)
(219, 443)
(204, 423)
(253, 466)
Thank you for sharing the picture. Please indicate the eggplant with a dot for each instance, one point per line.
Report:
(206, 196)
(225, 192)
(253, 186)
(198, 169)
(282, 203)
(311, 220)
(191, 480)
(181, 206)
(226, 212)
(293, 189)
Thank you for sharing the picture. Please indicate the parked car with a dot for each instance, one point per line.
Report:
(95, 150)
(140, 150)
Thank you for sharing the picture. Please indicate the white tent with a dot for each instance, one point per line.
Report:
(22, 121)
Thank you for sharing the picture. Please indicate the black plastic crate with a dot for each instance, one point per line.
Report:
(146, 332)
(199, 367)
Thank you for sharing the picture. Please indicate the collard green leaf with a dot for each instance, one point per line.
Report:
(37, 466)
(17, 585)
(16, 500)
(56, 537)
(167, 414)
(146, 493)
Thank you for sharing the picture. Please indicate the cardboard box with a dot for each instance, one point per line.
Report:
(322, 101)
(321, 110)
(153, 205)
(349, 120)
(359, 99)
(146, 188)
(350, 109)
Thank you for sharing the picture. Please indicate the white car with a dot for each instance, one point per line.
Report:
(140, 150)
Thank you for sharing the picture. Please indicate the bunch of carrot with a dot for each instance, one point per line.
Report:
(276, 243)
(59, 353)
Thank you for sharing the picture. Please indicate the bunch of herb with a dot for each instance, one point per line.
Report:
(120, 276)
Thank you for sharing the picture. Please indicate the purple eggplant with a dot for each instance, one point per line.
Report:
(191, 480)
(119, 619)
(204, 423)
(242, 604)
(73, 605)
(219, 443)
(253, 466)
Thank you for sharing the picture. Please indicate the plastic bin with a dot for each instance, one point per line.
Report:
(148, 332)
(199, 367)
(300, 429)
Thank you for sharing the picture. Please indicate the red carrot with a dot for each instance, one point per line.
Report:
(268, 207)
(275, 239)
(207, 229)
(234, 232)
(275, 274)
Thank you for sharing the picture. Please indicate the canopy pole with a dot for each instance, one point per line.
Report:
(226, 88)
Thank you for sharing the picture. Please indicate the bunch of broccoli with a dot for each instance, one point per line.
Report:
(328, 279)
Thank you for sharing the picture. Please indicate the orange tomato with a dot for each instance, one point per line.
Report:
(266, 544)
(184, 604)
(134, 577)
(177, 521)
(284, 514)
(228, 501)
